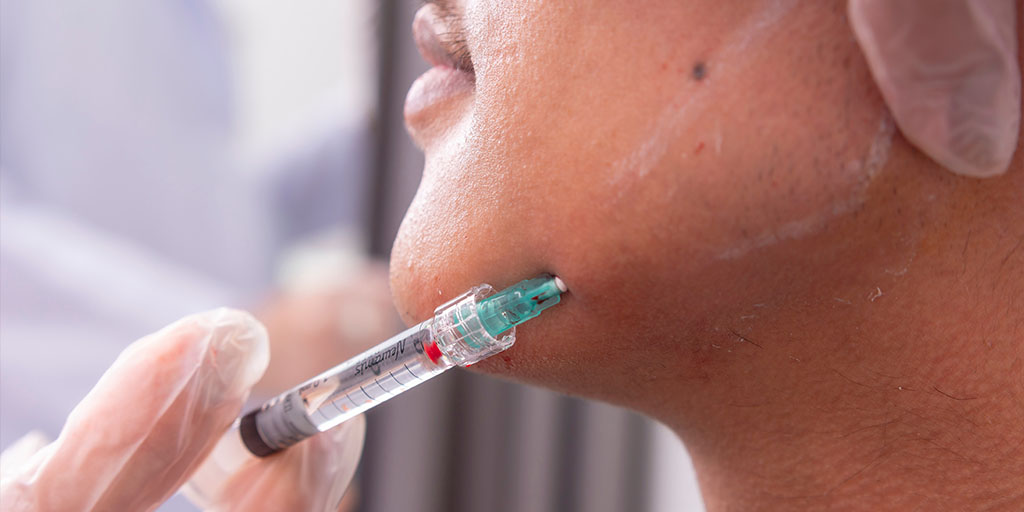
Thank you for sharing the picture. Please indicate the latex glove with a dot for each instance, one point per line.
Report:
(948, 71)
(155, 415)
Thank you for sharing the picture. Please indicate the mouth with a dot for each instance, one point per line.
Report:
(451, 76)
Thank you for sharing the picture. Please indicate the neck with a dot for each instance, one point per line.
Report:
(894, 383)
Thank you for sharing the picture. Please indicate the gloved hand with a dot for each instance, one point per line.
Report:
(154, 417)
(948, 71)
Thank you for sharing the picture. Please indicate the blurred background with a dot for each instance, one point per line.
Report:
(158, 159)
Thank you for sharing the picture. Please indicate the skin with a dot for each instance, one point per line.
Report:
(755, 256)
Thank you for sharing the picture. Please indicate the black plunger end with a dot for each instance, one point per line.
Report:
(251, 437)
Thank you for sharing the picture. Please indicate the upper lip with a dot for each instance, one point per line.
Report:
(425, 29)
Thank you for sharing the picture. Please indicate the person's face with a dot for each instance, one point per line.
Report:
(647, 155)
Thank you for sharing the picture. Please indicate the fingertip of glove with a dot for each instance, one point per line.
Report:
(240, 340)
(238, 347)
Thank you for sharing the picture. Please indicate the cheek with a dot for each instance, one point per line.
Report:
(806, 157)
(536, 176)
(591, 152)
(434, 248)
(521, 186)
(466, 227)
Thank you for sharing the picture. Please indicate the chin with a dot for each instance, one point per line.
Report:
(408, 286)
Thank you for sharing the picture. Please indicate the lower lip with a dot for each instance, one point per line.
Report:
(436, 88)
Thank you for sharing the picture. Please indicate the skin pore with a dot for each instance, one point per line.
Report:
(755, 255)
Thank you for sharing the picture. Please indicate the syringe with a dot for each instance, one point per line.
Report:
(462, 332)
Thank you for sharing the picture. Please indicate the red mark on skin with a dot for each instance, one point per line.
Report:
(700, 147)
(433, 352)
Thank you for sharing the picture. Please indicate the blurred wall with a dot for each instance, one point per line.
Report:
(290, 60)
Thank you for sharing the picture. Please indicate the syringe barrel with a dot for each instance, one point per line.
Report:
(455, 336)
(344, 391)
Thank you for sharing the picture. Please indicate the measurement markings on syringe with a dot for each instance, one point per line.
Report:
(344, 408)
(365, 393)
(412, 372)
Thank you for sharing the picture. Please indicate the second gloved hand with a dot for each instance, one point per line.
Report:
(154, 417)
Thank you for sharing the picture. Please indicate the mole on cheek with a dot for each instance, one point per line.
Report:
(700, 70)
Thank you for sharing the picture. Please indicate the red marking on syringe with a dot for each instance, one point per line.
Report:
(433, 352)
